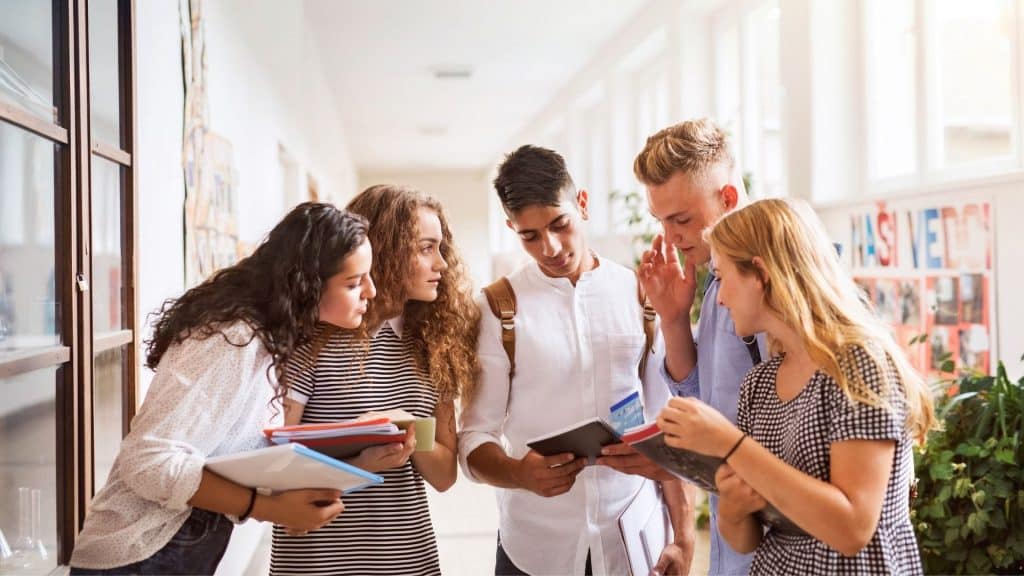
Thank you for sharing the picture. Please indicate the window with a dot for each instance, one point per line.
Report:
(942, 89)
(67, 315)
(748, 93)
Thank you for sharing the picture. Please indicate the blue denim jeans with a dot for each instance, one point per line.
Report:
(196, 548)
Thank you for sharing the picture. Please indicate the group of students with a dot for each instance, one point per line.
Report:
(342, 312)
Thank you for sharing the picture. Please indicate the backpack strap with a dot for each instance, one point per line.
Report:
(649, 316)
(502, 300)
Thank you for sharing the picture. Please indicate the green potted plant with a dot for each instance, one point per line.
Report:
(969, 508)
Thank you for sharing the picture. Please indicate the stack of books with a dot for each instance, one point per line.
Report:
(347, 439)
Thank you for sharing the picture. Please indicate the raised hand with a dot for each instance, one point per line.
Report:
(670, 288)
(548, 476)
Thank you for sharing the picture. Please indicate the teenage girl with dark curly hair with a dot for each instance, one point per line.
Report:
(421, 357)
(219, 353)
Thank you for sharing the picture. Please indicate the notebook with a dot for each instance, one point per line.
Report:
(584, 439)
(290, 467)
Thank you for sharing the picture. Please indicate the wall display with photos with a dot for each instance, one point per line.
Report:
(211, 196)
(928, 271)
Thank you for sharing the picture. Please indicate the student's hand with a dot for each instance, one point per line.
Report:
(675, 559)
(737, 499)
(626, 459)
(299, 511)
(386, 456)
(670, 289)
(693, 425)
(548, 476)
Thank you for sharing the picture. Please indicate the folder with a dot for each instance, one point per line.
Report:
(646, 529)
(290, 467)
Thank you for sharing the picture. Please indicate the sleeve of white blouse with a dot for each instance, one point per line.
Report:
(192, 403)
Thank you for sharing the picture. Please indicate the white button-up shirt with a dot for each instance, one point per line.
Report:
(578, 349)
(209, 397)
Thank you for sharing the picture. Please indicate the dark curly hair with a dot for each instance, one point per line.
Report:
(444, 331)
(276, 290)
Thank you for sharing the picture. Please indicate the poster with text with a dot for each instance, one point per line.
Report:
(927, 271)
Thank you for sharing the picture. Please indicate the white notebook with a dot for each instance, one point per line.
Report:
(290, 467)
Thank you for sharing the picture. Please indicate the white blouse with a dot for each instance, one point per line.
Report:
(577, 353)
(208, 397)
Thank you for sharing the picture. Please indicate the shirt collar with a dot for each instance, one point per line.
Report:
(396, 324)
(564, 283)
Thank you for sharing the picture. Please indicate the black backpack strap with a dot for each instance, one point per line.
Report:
(752, 348)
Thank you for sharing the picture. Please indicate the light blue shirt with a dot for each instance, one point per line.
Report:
(722, 362)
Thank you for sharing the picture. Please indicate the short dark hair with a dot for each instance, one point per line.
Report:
(532, 175)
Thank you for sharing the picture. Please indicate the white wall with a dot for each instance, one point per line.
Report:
(465, 196)
(266, 89)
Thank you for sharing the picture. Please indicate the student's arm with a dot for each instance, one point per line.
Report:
(193, 402)
(293, 411)
(671, 290)
(843, 513)
(297, 510)
(439, 465)
(737, 504)
(480, 452)
(678, 556)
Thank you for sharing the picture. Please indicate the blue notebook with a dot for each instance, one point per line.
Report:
(290, 467)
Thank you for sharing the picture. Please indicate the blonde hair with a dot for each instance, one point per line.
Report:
(806, 287)
(692, 147)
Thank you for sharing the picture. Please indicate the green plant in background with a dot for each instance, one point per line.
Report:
(642, 228)
(969, 509)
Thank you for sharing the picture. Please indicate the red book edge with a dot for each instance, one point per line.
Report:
(641, 434)
(358, 439)
(268, 432)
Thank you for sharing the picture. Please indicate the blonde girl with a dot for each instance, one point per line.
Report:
(825, 426)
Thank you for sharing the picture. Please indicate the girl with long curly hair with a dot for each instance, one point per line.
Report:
(219, 352)
(421, 358)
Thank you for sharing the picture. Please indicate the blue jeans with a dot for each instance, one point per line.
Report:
(196, 548)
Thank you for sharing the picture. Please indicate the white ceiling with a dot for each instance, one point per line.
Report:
(379, 57)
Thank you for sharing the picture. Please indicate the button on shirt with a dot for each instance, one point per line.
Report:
(208, 397)
(578, 349)
(722, 362)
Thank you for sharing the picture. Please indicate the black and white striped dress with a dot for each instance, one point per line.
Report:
(801, 432)
(384, 529)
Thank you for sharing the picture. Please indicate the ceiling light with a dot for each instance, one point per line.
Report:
(452, 72)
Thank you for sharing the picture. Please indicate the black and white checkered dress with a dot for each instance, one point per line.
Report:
(801, 432)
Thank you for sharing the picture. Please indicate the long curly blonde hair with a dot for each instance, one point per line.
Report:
(443, 332)
(806, 287)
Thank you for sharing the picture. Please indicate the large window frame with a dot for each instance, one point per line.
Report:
(929, 172)
(74, 151)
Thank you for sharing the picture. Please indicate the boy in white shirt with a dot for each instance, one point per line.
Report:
(579, 341)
